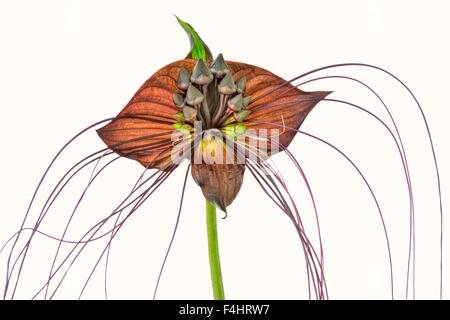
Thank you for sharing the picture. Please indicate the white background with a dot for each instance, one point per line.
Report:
(66, 64)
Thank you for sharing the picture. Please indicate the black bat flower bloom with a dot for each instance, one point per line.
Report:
(225, 119)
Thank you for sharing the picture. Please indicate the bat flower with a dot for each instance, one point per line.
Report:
(224, 119)
(219, 115)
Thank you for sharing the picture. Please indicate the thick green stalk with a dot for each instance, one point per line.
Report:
(213, 251)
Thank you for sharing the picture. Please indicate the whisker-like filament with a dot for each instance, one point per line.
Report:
(187, 109)
(312, 268)
(148, 193)
(93, 230)
(60, 186)
(258, 177)
(372, 194)
(91, 180)
(428, 132)
(283, 203)
(55, 193)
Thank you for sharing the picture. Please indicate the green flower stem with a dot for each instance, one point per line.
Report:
(213, 251)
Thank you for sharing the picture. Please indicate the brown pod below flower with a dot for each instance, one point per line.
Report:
(220, 183)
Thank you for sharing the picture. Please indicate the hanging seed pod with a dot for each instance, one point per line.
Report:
(193, 96)
(183, 79)
(227, 85)
(219, 68)
(201, 74)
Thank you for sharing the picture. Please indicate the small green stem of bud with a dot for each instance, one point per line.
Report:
(213, 252)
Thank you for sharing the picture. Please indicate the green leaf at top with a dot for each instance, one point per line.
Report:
(199, 49)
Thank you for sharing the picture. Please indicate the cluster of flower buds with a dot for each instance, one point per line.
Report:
(211, 95)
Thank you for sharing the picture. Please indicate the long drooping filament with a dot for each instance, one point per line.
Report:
(411, 253)
(402, 155)
(93, 158)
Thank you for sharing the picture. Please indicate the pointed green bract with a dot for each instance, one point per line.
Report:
(199, 49)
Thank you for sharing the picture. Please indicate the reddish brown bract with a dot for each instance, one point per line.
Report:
(144, 129)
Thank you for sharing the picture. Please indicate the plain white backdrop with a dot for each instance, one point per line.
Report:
(67, 64)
